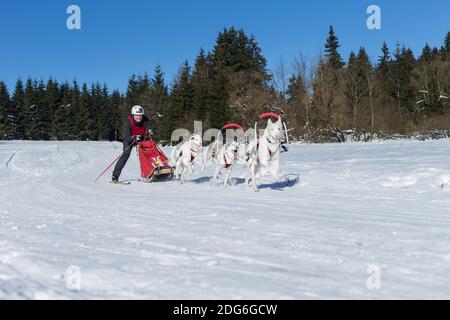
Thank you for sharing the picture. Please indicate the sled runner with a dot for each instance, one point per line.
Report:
(153, 162)
(120, 183)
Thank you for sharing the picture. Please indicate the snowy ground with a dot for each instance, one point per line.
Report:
(357, 205)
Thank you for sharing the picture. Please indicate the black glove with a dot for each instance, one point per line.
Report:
(137, 138)
(285, 149)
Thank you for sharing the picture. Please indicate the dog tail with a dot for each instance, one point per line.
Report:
(176, 153)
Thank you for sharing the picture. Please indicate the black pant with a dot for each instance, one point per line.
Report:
(123, 160)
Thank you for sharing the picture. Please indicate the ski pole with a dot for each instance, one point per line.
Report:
(117, 159)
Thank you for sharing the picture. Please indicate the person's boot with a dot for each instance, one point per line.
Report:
(115, 180)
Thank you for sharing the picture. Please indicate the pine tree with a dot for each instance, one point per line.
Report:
(115, 101)
(200, 82)
(47, 108)
(158, 78)
(84, 116)
(59, 128)
(237, 72)
(92, 110)
(426, 56)
(400, 78)
(159, 100)
(16, 116)
(30, 101)
(296, 88)
(180, 107)
(384, 60)
(218, 102)
(133, 90)
(331, 50)
(52, 96)
(105, 116)
(435, 54)
(33, 115)
(364, 67)
(359, 67)
(153, 94)
(235, 51)
(445, 50)
(4, 105)
(138, 90)
(330, 109)
(72, 112)
(19, 101)
(296, 100)
(259, 62)
(10, 121)
(383, 76)
(39, 111)
(160, 91)
(447, 42)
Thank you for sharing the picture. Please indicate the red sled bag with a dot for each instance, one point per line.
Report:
(154, 163)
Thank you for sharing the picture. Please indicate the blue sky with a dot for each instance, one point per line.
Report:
(119, 38)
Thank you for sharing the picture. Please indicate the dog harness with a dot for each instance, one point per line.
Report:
(270, 152)
(226, 165)
(135, 130)
(192, 155)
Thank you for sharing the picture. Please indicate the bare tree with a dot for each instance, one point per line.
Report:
(354, 91)
(300, 67)
(371, 85)
(328, 99)
(443, 83)
(280, 77)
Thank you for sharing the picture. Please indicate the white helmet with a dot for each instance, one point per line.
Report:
(137, 111)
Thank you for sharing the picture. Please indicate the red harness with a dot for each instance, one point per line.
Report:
(226, 165)
(138, 131)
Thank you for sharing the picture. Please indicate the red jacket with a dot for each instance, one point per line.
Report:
(131, 128)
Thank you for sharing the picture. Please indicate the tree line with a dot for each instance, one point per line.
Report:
(322, 99)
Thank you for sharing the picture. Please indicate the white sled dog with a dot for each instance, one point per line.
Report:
(263, 155)
(227, 157)
(212, 153)
(185, 155)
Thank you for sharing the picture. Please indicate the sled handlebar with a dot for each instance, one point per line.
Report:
(268, 115)
(232, 125)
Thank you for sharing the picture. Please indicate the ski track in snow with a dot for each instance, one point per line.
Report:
(11, 158)
(384, 204)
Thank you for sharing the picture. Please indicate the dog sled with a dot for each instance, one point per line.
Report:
(154, 164)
